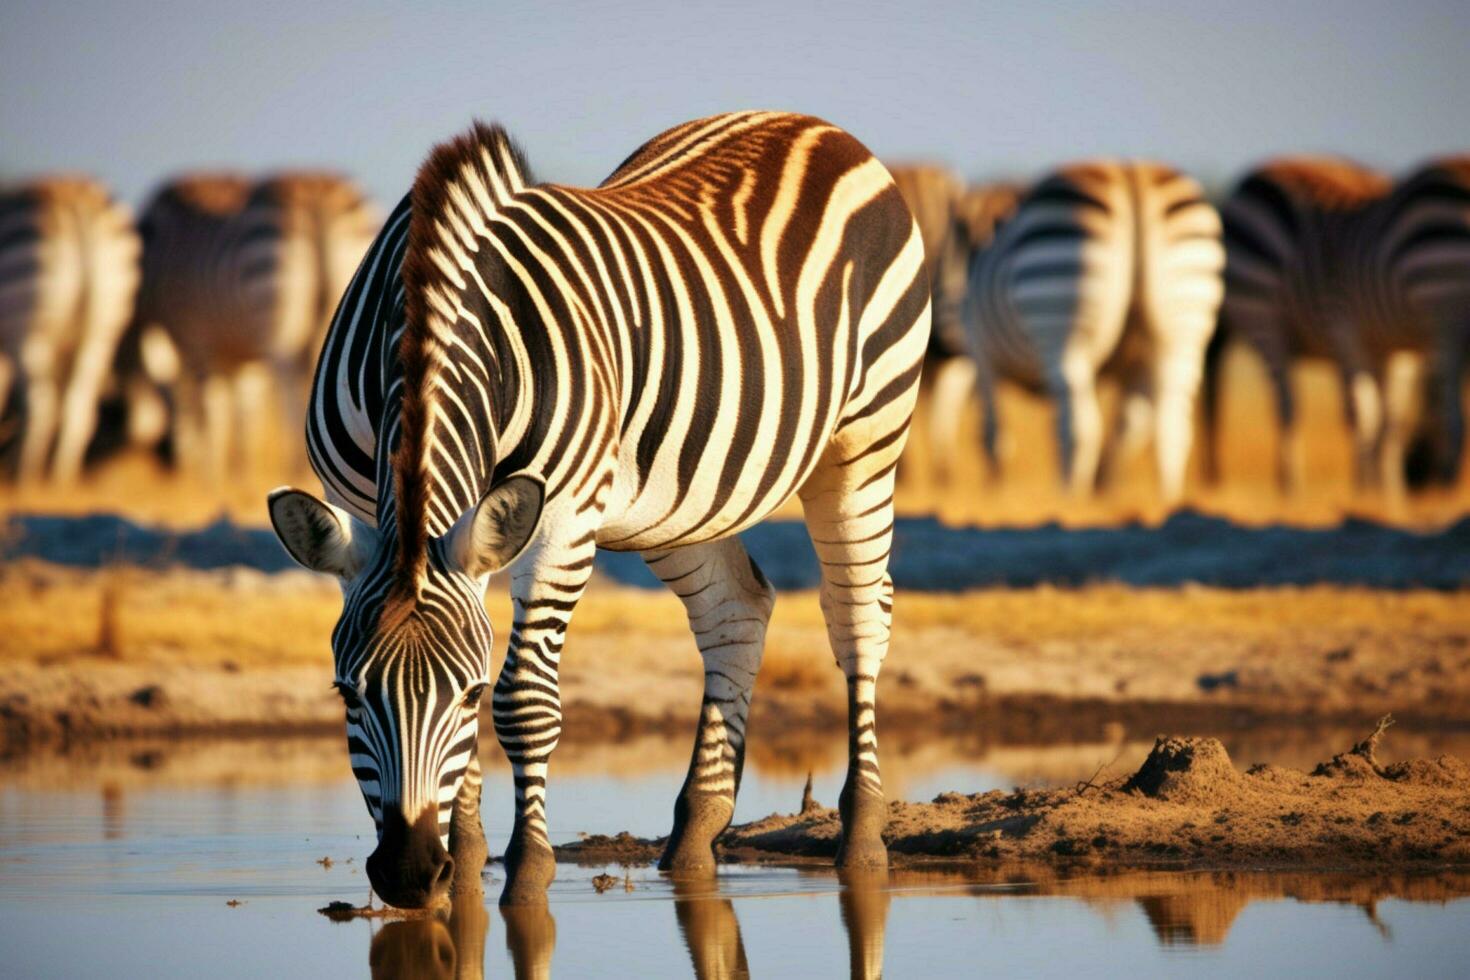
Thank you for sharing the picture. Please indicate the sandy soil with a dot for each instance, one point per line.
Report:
(128, 651)
(1187, 805)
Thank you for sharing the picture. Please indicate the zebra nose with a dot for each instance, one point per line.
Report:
(410, 868)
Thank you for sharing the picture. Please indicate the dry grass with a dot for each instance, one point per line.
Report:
(48, 613)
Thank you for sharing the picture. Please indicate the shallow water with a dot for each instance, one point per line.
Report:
(120, 863)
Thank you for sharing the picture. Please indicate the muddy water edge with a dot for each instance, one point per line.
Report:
(112, 853)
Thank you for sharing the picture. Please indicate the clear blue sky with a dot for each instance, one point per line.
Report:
(132, 91)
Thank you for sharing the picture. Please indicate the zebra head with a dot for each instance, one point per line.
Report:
(412, 661)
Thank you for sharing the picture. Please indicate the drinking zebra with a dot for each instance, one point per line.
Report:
(521, 373)
(1300, 283)
(68, 274)
(1107, 268)
(239, 273)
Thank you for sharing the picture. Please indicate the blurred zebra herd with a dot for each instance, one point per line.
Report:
(1101, 272)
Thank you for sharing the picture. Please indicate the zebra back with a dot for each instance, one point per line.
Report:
(68, 262)
(326, 225)
(1064, 269)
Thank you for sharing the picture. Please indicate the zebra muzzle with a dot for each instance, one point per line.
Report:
(410, 867)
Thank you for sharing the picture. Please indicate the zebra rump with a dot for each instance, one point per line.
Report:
(68, 275)
(1107, 269)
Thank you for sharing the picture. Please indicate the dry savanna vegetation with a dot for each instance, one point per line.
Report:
(131, 650)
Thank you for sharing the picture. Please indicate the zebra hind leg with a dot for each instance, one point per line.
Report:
(848, 504)
(1079, 423)
(729, 603)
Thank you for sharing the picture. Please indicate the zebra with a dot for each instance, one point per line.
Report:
(68, 275)
(978, 213)
(1421, 250)
(1106, 268)
(240, 272)
(1300, 283)
(933, 194)
(521, 373)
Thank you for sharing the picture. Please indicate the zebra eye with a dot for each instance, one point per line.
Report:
(349, 695)
(473, 694)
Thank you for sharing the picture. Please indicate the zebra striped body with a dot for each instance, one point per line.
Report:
(1299, 285)
(1106, 267)
(1421, 239)
(239, 273)
(68, 275)
(737, 314)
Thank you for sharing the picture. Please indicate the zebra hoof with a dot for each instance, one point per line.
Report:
(688, 859)
(862, 854)
(528, 877)
(698, 820)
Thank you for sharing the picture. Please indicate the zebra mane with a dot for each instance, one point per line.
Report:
(461, 185)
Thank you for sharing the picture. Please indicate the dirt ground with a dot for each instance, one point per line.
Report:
(1186, 806)
(126, 651)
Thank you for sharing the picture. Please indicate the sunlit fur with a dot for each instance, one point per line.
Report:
(738, 314)
(68, 274)
(1106, 267)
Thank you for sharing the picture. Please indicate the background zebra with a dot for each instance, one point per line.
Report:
(1421, 250)
(1107, 267)
(934, 196)
(1300, 284)
(950, 383)
(739, 313)
(68, 274)
(241, 273)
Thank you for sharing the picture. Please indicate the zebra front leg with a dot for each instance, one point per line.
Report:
(849, 513)
(467, 831)
(729, 603)
(527, 706)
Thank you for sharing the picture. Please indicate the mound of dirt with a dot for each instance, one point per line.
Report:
(1186, 805)
(1184, 769)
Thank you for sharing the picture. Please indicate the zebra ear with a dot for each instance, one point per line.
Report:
(494, 532)
(319, 536)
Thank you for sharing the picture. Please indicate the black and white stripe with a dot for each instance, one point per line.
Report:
(238, 273)
(68, 275)
(1421, 253)
(1107, 267)
(1302, 281)
(738, 314)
